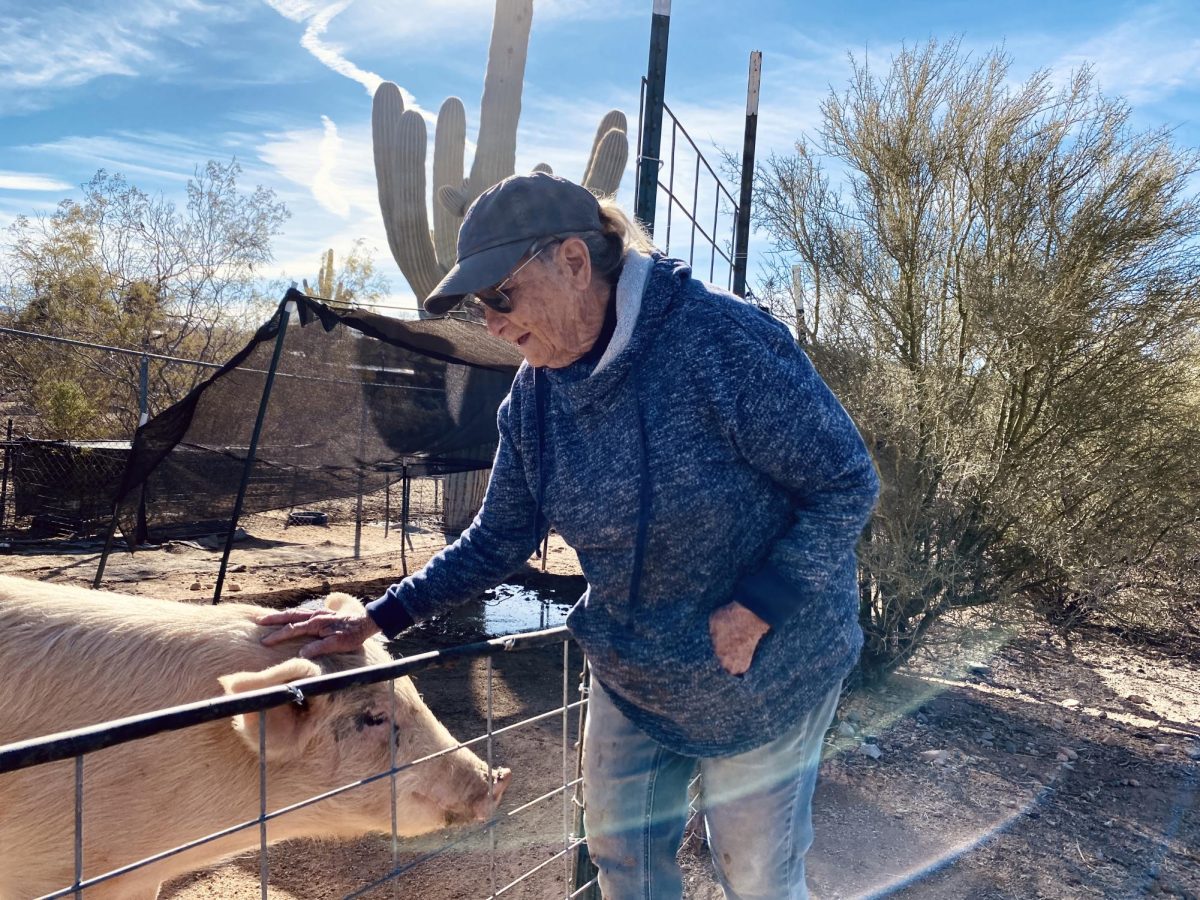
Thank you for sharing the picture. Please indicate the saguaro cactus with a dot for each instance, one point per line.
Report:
(399, 139)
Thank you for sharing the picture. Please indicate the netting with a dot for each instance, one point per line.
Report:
(358, 401)
(60, 487)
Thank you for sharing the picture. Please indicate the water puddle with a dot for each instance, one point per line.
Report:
(508, 608)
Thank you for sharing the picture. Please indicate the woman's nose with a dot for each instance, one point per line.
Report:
(494, 320)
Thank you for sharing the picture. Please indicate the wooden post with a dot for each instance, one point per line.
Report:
(7, 464)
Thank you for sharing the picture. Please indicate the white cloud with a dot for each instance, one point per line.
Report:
(317, 18)
(340, 176)
(25, 181)
(159, 156)
(1145, 58)
(331, 55)
(54, 46)
(324, 189)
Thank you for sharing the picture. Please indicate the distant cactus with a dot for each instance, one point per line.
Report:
(333, 292)
(399, 139)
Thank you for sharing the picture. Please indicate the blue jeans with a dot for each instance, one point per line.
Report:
(757, 808)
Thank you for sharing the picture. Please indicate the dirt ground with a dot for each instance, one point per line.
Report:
(1005, 764)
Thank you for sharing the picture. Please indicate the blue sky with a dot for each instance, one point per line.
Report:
(152, 88)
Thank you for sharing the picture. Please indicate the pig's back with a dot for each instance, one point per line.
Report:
(71, 657)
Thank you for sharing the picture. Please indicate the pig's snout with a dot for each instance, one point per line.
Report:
(485, 805)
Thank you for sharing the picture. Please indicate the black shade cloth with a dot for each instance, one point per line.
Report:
(356, 398)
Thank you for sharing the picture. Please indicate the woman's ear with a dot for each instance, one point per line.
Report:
(574, 256)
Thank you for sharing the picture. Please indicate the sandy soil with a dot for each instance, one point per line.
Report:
(1006, 763)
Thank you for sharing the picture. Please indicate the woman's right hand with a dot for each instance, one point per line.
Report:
(329, 631)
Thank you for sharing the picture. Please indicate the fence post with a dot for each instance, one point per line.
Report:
(285, 313)
(144, 388)
(4, 482)
(404, 510)
(583, 870)
(650, 144)
(741, 246)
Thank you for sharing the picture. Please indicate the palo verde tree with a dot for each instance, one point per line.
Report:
(122, 267)
(1001, 281)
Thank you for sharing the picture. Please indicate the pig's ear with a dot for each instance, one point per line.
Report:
(344, 603)
(289, 727)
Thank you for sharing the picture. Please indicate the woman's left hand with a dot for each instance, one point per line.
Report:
(735, 633)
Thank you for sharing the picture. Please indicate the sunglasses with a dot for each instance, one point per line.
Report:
(495, 298)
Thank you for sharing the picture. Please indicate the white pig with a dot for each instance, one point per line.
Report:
(71, 657)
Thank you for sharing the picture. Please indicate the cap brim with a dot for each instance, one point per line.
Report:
(484, 269)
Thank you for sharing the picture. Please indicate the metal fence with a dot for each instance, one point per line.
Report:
(568, 858)
(698, 222)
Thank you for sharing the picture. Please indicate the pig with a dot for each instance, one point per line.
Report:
(71, 657)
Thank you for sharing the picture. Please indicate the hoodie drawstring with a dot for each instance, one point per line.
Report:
(643, 523)
(539, 399)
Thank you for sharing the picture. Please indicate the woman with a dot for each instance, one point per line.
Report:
(714, 490)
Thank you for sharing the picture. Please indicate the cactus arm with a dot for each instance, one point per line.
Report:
(610, 152)
(614, 118)
(449, 144)
(398, 138)
(500, 109)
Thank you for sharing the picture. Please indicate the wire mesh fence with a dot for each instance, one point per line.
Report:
(65, 489)
(527, 847)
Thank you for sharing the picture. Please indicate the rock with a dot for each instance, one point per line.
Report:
(195, 586)
(1163, 748)
(854, 716)
(1137, 698)
(240, 567)
(1194, 753)
(937, 757)
(845, 729)
(234, 586)
(326, 584)
(1068, 753)
(871, 750)
(1071, 703)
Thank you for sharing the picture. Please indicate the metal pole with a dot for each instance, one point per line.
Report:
(108, 543)
(144, 390)
(741, 242)
(387, 502)
(584, 870)
(404, 495)
(651, 139)
(285, 313)
(358, 488)
(4, 481)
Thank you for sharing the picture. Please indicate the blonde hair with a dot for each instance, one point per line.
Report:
(619, 233)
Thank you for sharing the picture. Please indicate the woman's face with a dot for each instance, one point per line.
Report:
(555, 317)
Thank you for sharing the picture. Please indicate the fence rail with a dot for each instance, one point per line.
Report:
(78, 743)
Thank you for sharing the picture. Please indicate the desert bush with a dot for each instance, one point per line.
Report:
(121, 267)
(1001, 282)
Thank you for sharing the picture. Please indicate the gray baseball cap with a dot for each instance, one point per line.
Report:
(502, 225)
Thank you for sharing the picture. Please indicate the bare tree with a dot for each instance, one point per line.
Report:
(1002, 284)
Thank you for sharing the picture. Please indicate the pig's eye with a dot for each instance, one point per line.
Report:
(369, 720)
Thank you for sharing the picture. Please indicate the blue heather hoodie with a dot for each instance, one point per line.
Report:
(702, 460)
